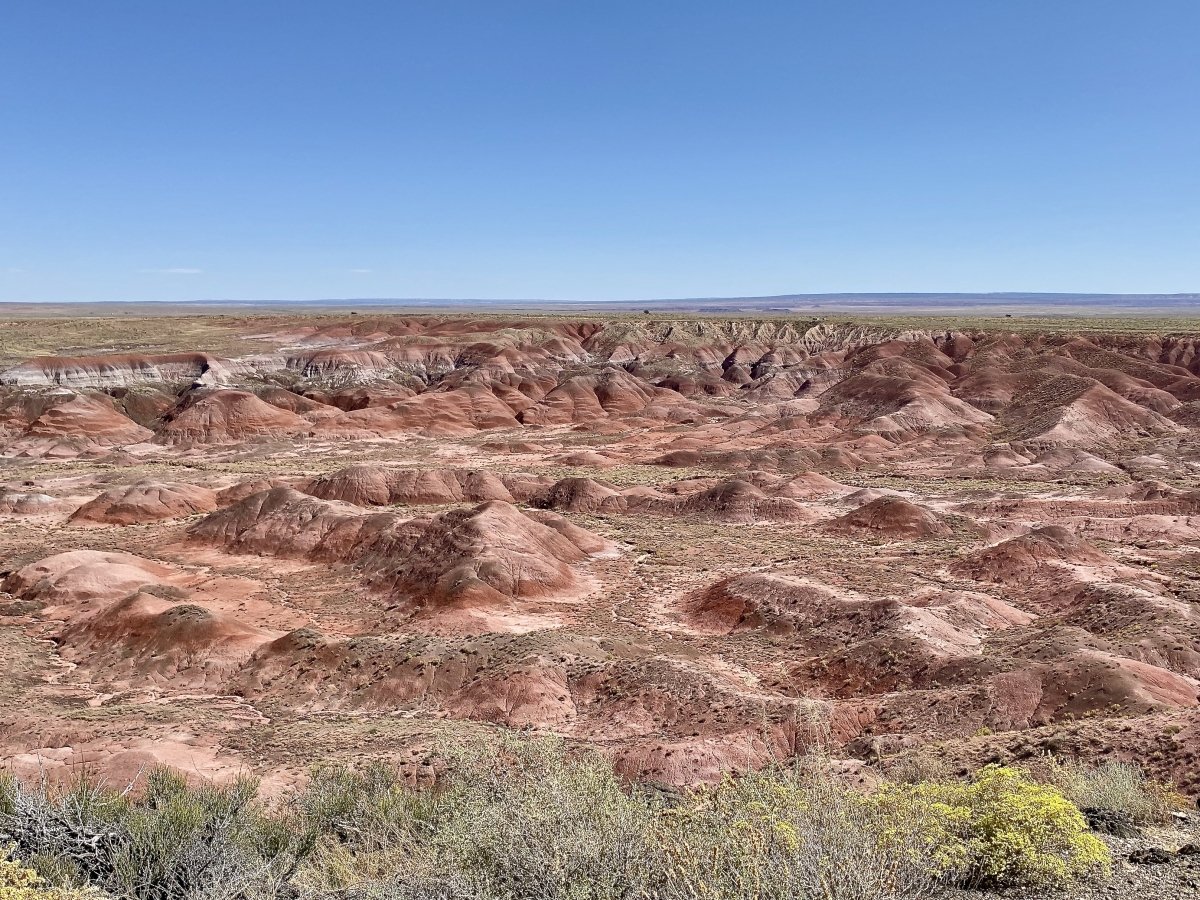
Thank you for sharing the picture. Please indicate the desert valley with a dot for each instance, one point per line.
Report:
(247, 543)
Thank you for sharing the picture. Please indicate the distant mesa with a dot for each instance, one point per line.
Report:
(118, 369)
(780, 396)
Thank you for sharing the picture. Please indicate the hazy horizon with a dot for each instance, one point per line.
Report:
(877, 303)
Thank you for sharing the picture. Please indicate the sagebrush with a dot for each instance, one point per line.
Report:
(528, 820)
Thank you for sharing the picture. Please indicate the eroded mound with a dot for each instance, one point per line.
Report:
(66, 424)
(752, 602)
(144, 639)
(375, 485)
(738, 501)
(146, 501)
(1024, 556)
(227, 416)
(26, 504)
(282, 521)
(485, 556)
(582, 495)
(80, 577)
(892, 518)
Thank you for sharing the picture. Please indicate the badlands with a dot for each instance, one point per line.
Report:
(248, 542)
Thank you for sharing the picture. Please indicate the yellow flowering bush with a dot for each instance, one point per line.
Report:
(20, 883)
(1001, 829)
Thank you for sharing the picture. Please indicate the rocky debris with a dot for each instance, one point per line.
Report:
(1151, 856)
(1110, 821)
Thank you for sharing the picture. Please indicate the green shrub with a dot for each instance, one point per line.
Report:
(1002, 829)
(372, 828)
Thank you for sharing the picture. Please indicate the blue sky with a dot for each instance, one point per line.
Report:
(198, 149)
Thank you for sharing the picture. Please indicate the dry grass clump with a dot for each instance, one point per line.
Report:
(527, 820)
(371, 826)
(1114, 787)
(530, 821)
(917, 768)
(513, 819)
(792, 833)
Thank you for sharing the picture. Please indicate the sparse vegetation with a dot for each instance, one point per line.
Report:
(1114, 787)
(792, 833)
(527, 820)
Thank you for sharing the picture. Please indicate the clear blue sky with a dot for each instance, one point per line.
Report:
(188, 149)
